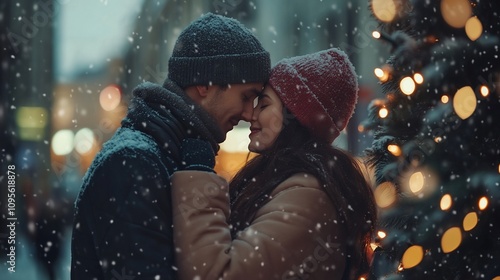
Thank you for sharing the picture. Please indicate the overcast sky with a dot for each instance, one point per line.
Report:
(88, 32)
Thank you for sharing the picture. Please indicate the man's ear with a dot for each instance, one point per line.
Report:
(202, 90)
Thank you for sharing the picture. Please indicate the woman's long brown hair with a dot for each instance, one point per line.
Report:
(294, 151)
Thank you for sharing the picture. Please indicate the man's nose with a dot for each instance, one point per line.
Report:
(247, 112)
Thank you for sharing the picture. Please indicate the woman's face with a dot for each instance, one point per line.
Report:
(267, 121)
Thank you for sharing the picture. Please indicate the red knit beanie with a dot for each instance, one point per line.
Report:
(319, 89)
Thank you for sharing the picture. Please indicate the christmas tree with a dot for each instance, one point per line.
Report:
(436, 147)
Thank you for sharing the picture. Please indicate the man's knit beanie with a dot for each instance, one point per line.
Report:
(218, 50)
(319, 89)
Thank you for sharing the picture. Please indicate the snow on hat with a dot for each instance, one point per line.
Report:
(319, 89)
(218, 50)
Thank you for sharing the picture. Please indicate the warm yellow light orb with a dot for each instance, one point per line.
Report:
(451, 239)
(407, 85)
(418, 78)
(456, 12)
(412, 256)
(394, 149)
(384, 10)
(446, 202)
(485, 91)
(376, 34)
(383, 113)
(385, 194)
(110, 98)
(473, 28)
(381, 74)
(378, 72)
(483, 203)
(470, 221)
(381, 234)
(445, 99)
(416, 182)
(464, 102)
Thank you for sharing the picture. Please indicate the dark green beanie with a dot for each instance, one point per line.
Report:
(218, 50)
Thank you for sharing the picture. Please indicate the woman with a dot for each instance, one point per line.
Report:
(301, 208)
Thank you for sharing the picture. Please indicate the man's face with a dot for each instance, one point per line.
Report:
(230, 105)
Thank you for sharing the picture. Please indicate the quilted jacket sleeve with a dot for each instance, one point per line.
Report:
(293, 236)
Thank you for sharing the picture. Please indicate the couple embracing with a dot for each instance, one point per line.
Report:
(152, 207)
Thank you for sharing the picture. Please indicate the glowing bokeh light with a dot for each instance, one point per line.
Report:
(483, 203)
(407, 85)
(62, 142)
(385, 194)
(445, 99)
(464, 102)
(445, 202)
(496, 278)
(451, 239)
(473, 28)
(376, 34)
(438, 139)
(418, 78)
(383, 112)
(384, 10)
(381, 74)
(470, 221)
(400, 267)
(456, 12)
(485, 91)
(110, 98)
(394, 149)
(416, 182)
(381, 234)
(84, 141)
(412, 256)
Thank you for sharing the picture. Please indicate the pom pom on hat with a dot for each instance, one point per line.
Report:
(319, 89)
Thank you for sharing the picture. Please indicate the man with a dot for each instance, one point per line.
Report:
(123, 224)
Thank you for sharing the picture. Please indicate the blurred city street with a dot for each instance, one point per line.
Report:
(68, 68)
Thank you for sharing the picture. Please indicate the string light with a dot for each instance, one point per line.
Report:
(451, 239)
(383, 36)
(385, 194)
(473, 28)
(446, 202)
(418, 78)
(381, 234)
(384, 10)
(464, 102)
(445, 99)
(438, 139)
(483, 203)
(456, 12)
(394, 149)
(470, 221)
(407, 85)
(412, 256)
(400, 267)
(416, 182)
(485, 91)
(383, 112)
